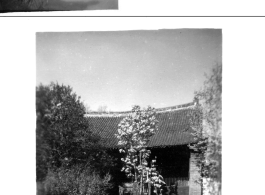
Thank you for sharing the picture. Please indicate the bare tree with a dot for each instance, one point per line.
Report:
(102, 108)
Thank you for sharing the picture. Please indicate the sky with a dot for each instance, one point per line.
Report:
(120, 69)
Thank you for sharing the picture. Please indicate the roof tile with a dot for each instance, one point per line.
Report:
(173, 128)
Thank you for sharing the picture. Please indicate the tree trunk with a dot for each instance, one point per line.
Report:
(149, 188)
(135, 190)
(141, 178)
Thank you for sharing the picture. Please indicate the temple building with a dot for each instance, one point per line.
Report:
(175, 161)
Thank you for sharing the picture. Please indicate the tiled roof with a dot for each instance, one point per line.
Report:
(173, 126)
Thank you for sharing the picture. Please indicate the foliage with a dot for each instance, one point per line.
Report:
(152, 175)
(207, 124)
(76, 181)
(134, 133)
(200, 146)
(63, 135)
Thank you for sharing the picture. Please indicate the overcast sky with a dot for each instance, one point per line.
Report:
(119, 69)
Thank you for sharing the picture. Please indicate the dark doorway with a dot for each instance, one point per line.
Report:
(172, 162)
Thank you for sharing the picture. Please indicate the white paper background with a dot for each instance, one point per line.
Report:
(243, 94)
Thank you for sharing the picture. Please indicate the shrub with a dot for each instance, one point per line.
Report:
(64, 137)
(76, 181)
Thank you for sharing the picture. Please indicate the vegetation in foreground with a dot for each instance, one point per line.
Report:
(134, 133)
(71, 159)
(206, 122)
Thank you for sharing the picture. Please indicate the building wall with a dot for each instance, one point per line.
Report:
(194, 188)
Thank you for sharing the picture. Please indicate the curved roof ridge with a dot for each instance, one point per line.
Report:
(173, 108)
(124, 113)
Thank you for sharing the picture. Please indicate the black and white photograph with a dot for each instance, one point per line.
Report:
(129, 112)
(56, 5)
